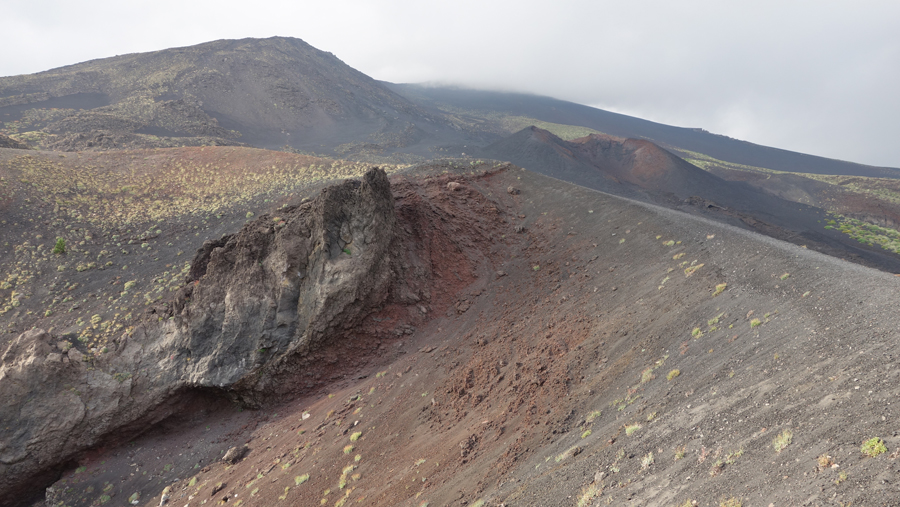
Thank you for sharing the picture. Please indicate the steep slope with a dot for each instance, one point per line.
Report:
(643, 164)
(639, 169)
(259, 316)
(633, 167)
(8, 142)
(483, 109)
(607, 353)
(281, 92)
(630, 167)
(264, 92)
(540, 150)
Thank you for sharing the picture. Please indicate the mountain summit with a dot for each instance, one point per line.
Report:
(264, 92)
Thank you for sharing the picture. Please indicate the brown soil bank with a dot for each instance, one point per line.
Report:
(551, 345)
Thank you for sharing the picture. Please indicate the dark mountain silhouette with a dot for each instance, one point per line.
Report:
(478, 103)
(639, 169)
(280, 91)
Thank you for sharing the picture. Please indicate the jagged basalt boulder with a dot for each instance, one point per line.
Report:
(283, 285)
(255, 305)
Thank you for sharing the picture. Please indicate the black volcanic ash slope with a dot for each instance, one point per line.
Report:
(639, 169)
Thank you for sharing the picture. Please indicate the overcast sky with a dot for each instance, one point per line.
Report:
(817, 76)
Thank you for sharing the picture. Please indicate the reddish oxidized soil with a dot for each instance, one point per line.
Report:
(542, 373)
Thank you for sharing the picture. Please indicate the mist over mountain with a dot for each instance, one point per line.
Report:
(281, 93)
(278, 92)
(483, 102)
(244, 273)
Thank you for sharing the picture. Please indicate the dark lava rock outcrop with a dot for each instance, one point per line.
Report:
(8, 142)
(256, 305)
(282, 286)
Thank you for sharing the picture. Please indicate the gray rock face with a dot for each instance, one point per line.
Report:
(52, 406)
(235, 454)
(276, 291)
(256, 304)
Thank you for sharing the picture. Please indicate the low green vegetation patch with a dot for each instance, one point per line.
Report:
(193, 185)
(782, 440)
(690, 270)
(510, 124)
(873, 447)
(567, 132)
(706, 163)
(887, 189)
(719, 289)
(571, 451)
(729, 459)
(867, 233)
(588, 493)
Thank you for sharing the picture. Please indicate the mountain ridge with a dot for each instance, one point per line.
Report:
(281, 93)
(292, 94)
(641, 170)
(621, 125)
(269, 93)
